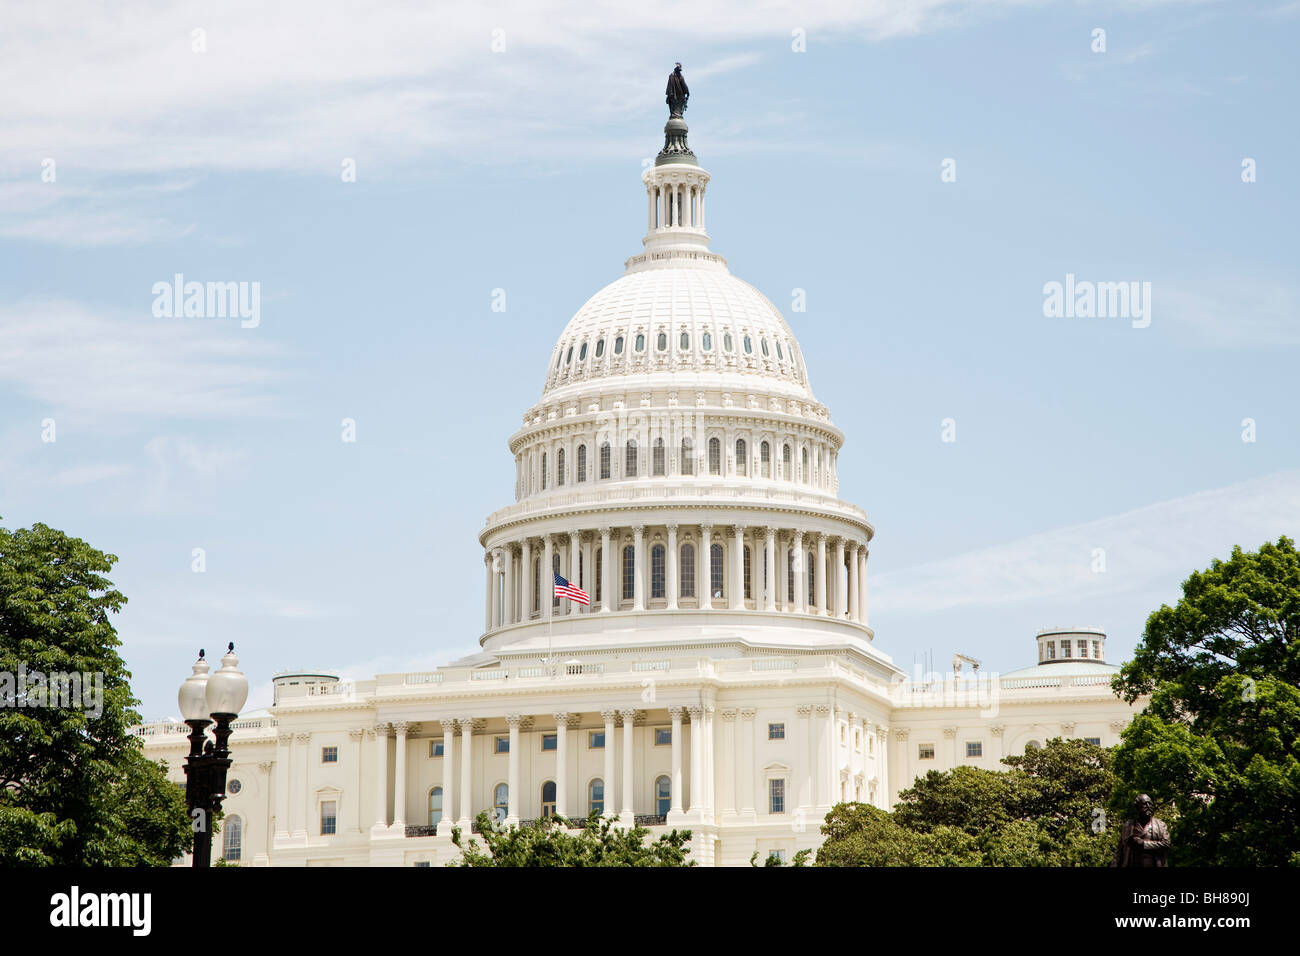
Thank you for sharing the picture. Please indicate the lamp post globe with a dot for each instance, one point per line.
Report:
(209, 699)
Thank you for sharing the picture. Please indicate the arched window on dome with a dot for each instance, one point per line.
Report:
(618, 345)
(727, 345)
(717, 577)
(811, 565)
(435, 806)
(640, 342)
(688, 456)
(789, 579)
(604, 460)
(763, 343)
(662, 342)
(803, 465)
(559, 468)
(742, 457)
(568, 359)
(548, 799)
(582, 464)
(555, 569)
(785, 462)
(658, 577)
(715, 456)
(232, 839)
(749, 346)
(501, 801)
(629, 459)
(749, 574)
(658, 458)
(686, 587)
(537, 584)
(765, 459)
(779, 353)
(629, 572)
(600, 575)
(600, 347)
(684, 343)
(706, 342)
(543, 471)
(582, 352)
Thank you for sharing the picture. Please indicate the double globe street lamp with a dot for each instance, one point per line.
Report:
(221, 696)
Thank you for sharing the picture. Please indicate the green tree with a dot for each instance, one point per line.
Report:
(548, 842)
(75, 787)
(1218, 745)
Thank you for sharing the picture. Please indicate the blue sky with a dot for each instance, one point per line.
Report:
(519, 170)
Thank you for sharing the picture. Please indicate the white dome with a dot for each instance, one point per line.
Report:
(694, 327)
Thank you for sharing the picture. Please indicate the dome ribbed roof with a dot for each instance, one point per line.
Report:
(694, 327)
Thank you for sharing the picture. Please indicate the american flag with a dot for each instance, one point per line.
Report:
(564, 589)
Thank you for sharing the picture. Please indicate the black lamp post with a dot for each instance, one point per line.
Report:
(221, 696)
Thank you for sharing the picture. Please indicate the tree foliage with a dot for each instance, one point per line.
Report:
(75, 787)
(1218, 746)
(1042, 811)
(549, 842)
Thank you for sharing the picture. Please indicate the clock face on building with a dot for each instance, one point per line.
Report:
(234, 787)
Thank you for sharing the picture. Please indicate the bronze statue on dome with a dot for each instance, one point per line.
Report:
(678, 92)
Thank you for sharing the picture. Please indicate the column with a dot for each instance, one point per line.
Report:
(526, 570)
(853, 583)
(381, 777)
(588, 572)
(710, 801)
(841, 592)
(357, 735)
(998, 753)
(561, 764)
(746, 781)
(638, 578)
(862, 580)
(703, 573)
(672, 570)
(738, 569)
(819, 579)
(508, 602)
(676, 714)
(448, 777)
(769, 551)
(732, 756)
(801, 589)
(606, 561)
(628, 813)
(650, 209)
(512, 780)
(574, 543)
(302, 824)
(826, 748)
(906, 764)
(282, 750)
(466, 725)
(609, 716)
(808, 754)
(950, 735)
(882, 771)
(697, 758)
(487, 591)
(547, 582)
(399, 777)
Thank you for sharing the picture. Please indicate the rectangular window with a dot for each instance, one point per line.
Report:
(1051, 650)
(749, 587)
(687, 582)
(550, 741)
(925, 751)
(596, 740)
(974, 748)
(1096, 649)
(663, 736)
(435, 748)
(501, 745)
(776, 795)
(658, 586)
(1095, 741)
(776, 731)
(1065, 649)
(629, 573)
(423, 863)
(779, 854)
(329, 813)
(1083, 649)
(600, 573)
(329, 755)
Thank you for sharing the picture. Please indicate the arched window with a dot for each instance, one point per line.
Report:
(663, 796)
(789, 576)
(568, 359)
(435, 806)
(543, 471)
(779, 353)
(688, 456)
(559, 468)
(749, 587)
(785, 462)
(659, 457)
(600, 574)
(662, 342)
(582, 352)
(618, 345)
(766, 353)
(604, 460)
(716, 575)
(548, 798)
(803, 464)
(684, 343)
(715, 456)
(600, 347)
(742, 456)
(555, 569)
(749, 346)
(726, 342)
(596, 797)
(765, 460)
(686, 586)
(582, 463)
(812, 578)
(706, 342)
(501, 801)
(1033, 745)
(629, 572)
(232, 839)
(629, 459)
(537, 584)
(640, 342)
(658, 588)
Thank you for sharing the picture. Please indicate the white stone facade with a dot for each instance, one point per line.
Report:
(724, 679)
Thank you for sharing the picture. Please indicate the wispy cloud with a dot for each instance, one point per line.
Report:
(1236, 313)
(1146, 549)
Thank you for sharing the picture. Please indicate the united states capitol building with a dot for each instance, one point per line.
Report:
(725, 678)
